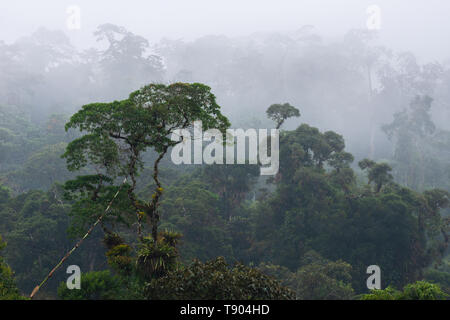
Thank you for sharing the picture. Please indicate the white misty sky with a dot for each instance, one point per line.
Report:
(421, 26)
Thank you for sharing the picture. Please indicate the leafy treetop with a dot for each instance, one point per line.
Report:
(280, 112)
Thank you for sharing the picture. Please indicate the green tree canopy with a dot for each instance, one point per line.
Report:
(217, 281)
(280, 112)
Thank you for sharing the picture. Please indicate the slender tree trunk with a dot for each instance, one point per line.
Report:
(154, 215)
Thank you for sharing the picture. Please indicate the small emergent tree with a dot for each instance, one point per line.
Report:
(280, 112)
(118, 133)
(378, 173)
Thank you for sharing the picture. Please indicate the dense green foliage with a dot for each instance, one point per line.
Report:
(316, 279)
(215, 280)
(35, 224)
(100, 285)
(8, 288)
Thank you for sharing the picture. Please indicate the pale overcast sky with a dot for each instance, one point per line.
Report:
(420, 26)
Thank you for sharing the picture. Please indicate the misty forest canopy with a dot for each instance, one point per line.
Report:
(74, 124)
